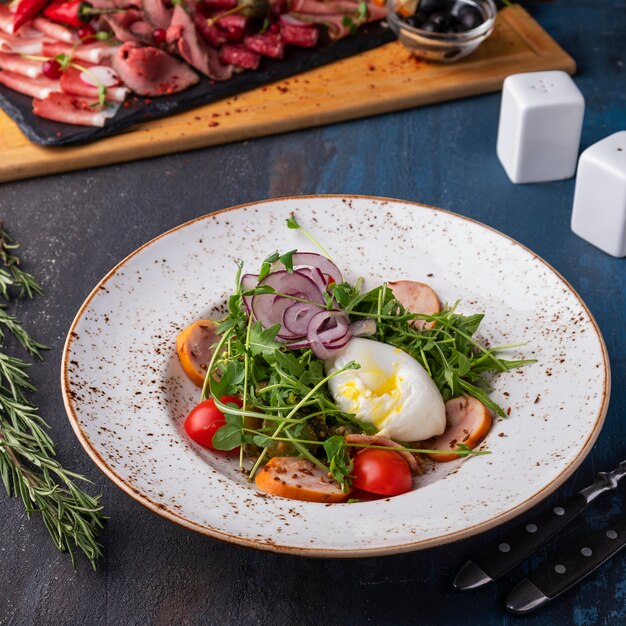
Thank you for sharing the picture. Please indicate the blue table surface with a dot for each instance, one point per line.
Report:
(74, 227)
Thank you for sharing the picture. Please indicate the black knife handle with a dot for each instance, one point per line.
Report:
(560, 573)
(499, 557)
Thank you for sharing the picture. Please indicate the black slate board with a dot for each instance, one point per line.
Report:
(47, 133)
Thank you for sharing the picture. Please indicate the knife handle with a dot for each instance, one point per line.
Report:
(500, 556)
(560, 573)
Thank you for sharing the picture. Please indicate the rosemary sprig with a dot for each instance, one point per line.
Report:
(12, 275)
(28, 467)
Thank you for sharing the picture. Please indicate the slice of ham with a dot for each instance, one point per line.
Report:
(19, 65)
(239, 55)
(72, 83)
(39, 87)
(383, 441)
(122, 26)
(91, 52)
(416, 297)
(338, 7)
(193, 48)
(69, 109)
(334, 20)
(55, 31)
(467, 421)
(334, 23)
(13, 44)
(156, 13)
(266, 44)
(150, 71)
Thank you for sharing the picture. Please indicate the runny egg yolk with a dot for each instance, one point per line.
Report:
(391, 391)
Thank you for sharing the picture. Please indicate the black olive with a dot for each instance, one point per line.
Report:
(431, 6)
(431, 28)
(440, 19)
(469, 17)
(415, 20)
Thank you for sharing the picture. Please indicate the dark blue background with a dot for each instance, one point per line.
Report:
(75, 227)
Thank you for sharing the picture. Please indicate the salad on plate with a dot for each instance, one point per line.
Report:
(325, 392)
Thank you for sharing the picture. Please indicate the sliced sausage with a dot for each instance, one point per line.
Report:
(298, 479)
(467, 421)
(416, 298)
(195, 349)
(375, 440)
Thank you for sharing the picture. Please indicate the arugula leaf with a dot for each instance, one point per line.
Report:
(262, 341)
(228, 437)
(339, 460)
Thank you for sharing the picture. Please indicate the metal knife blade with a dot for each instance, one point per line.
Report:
(558, 574)
(500, 556)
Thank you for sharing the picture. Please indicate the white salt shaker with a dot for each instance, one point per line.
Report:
(541, 118)
(599, 214)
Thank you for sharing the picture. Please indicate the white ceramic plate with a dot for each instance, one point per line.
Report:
(126, 394)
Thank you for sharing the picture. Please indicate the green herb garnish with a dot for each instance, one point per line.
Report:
(28, 467)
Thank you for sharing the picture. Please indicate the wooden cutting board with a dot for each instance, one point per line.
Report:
(381, 80)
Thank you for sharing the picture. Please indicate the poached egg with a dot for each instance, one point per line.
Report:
(391, 390)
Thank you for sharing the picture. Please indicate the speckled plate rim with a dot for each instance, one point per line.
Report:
(325, 553)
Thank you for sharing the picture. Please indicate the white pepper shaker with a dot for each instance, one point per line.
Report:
(599, 213)
(541, 118)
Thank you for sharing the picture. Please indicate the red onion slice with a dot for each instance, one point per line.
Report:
(316, 261)
(248, 282)
(322, 342)
(315, 275)
(269, 308)
(296, 317)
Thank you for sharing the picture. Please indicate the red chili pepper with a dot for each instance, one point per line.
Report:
(75, 13)
(26, 11)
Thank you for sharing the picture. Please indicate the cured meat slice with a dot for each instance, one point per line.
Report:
(338, 7)
(266, 44)
(238, 54)
(193, 48)
(39, 87)
(69, 109)
(156, 13)
(72, 83)
(332, 14)
(334, 23)
(375, 440)
(297, 32)
(92, 52)
(125, 26)
(19, 65)
(21, 45)
(53, 30)
(234, 27)
(150, 71)
(212, 34)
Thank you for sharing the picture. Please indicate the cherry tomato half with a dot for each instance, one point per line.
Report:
(205, 419)
(381, 471)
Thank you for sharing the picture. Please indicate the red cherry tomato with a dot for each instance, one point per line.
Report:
(51, 69)
(87, 33)
(205, 419)
(159, 35)
(383, 472)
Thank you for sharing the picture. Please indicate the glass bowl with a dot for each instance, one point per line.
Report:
(443, 47)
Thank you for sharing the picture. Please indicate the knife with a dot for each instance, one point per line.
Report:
(500, 556)
(561, 573)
